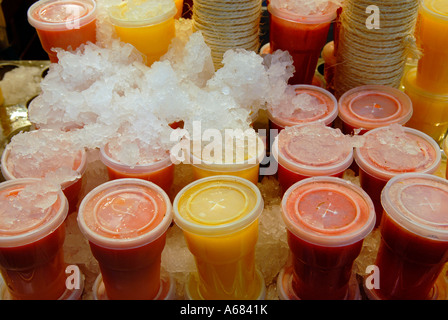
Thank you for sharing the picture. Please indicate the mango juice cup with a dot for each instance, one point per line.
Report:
(388, 152)
(430, 113)
(431, 33)
(309, 150)
(125, 222)
(31, 246)
(371, 106)
(219, 219)
(414, 239)
(64, 24)
(150, 34)
(327, 219)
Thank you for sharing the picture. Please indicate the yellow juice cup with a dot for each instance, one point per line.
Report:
(179, 6)
(432, 36)
(150, 31)
(219, 218)
(430, 110)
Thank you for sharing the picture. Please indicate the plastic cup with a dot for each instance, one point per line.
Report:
(247, 169)
(219, 219)
(64, 24)
(389, 151)
(328, 54)
(31, 244)
(179, 7)
(324, 97)
(71, 189)
(430, 110)
(327, 219)
(310, 150)
(125, 222)
(431, 33)
(160, 172)
(150, 32)
(414, 238)
(445, 150)
(302, 36)
(368, 107)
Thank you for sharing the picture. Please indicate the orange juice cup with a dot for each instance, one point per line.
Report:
(64, 24)
(414, 239)
(327, 220)
(149, 32)
(31, 245)
(368, 107)
(328, 54)
(387, 153)
(310, 150)
(219, 219)
(432, 33)
(160, 172)
(179, 7)
(430, 109)
(445, 150)
(125, 222)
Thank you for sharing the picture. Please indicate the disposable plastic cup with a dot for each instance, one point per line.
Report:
(328, 54)
(414, 238)
(219, 218)
(431, 32)
(12, 169)
(430, 109)
(390, 151)
(303, 36)
(445, 150)
(372, 106)
(277, 121)
(179, 7)
(310, 150)
(326, 219)
(64, 24)
(160, 172)
(247, 169)
(125, 222)
(150, 32)
(31, 243)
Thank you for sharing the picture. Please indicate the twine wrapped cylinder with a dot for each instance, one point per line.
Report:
(374, 56)
(227, 25)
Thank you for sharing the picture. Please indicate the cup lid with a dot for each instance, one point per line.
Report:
(56, 15)
(130, 14)
(391, 150)
(411, 87)
(329, 13)
(328, 211)
(417, 202)
(217, 205)
(124, 213)
(25, 219)
(311, 111)
(313, 149)
(372, 106)
(438, 8)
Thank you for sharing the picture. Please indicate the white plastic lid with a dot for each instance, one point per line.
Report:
(19, 227)
(418, 203)
(328, 211)
(277, 8)
(141, 16)
(438, 8)
(124, 213)
(57, 15)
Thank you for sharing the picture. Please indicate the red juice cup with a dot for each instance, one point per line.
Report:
(414, 238)
(160, 172)
(392, 150)
(31, 243)
(303, 36)
(125, 222)
(327, 220)
(64, 24)
(368, 107)
(320, 105)
(310, 150)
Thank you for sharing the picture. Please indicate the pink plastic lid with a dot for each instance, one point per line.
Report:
(418, 202)
(309, 114)
(56, 15)
(27, 220)
(313, 149)
(124, 213)
(328, 211)
(374, 106)
(277, 8)
(391, 150)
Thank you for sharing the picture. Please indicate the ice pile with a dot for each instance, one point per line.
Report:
(304, 7)
(21, 82)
